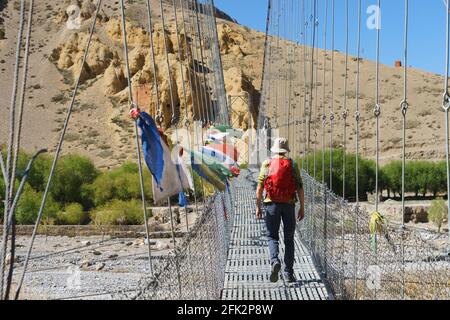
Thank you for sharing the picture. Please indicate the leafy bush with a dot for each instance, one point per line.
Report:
(122, 183)
(73, 214)
(28, 208)
(72, 174)
(438, 213)
(39, 173)
(118, 212)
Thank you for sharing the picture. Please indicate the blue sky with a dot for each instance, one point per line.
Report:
(426, 28)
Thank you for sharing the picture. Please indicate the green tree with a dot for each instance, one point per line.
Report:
(393, 175)
(438, 178)
(438, 213)
(423, 173)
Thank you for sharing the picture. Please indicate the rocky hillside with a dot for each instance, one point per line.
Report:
(100, 127)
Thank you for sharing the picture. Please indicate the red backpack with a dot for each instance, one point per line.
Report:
(280, 183)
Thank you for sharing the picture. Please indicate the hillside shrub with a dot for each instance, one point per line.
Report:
(118, 212)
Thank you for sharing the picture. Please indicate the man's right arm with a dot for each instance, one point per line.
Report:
(301, 197)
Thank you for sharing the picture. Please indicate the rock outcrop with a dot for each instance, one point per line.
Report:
(185, 86)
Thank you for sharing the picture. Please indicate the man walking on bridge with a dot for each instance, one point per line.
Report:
(280, 178)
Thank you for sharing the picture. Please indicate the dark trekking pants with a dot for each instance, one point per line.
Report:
(275, 212)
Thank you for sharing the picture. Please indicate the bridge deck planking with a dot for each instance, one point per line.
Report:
(248, 264)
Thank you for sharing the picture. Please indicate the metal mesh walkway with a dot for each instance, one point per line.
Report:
(248, 264)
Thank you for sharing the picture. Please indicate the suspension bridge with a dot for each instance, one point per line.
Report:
(224, 254)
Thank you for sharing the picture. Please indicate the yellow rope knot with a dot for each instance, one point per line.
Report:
(377, 223)
(377, 226)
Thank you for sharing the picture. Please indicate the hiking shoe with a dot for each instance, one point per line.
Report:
(290, 278)
(276, 266)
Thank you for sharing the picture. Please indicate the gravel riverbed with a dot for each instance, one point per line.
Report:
(93, 267)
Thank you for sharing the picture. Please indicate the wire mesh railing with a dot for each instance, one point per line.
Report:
(195, 270)
(399, 264)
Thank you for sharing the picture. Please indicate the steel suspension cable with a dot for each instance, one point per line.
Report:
(324, 99)
(202, 87)
(305, 77)
(377, 112)
(357, 120)
(175, 112)
(200, 13)
(290, 57)
(404, 108)
(316, 102)
(136, 133)
(18, 134)
(277, 87)
(187, 122)
(189, 61)
(263, 86)
(12, 110)
(446, 105)
(197, 82)
(299, 77)
(202, 56)
(272, 52)
(284, 71)
(183, 85)
(332, 92)
(207, 26)
(304, 37)
(8, 169)
(57, 152)
(311, 85)
(357, 112)
(219, 108)
(174, 121)
(296, 41)
(345, 111)
(22, 96)
(294, 79)
(158, 114)
(220, 75)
